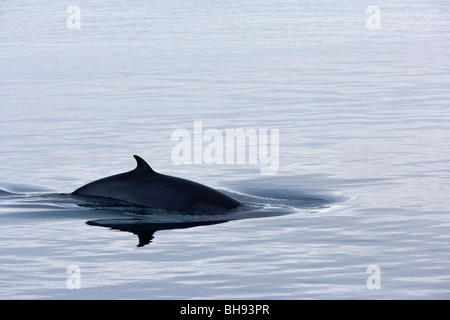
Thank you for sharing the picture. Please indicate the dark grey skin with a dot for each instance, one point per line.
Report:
(145, 187)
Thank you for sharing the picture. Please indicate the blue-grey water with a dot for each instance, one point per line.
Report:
(358, 208)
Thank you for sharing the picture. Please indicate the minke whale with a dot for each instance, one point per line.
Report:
(145, 187)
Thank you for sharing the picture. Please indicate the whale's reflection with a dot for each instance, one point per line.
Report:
(145, 229)
(142, 221)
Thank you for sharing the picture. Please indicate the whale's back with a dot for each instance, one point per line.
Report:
(145, 187)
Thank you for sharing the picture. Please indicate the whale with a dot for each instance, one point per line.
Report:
(145, 187)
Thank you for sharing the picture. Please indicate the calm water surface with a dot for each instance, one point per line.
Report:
(364, 152)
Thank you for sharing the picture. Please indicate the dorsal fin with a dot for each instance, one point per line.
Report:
(142, 165)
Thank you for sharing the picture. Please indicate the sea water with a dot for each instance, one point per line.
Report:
(358, 92)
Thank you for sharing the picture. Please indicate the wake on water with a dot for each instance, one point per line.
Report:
(30, 202)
